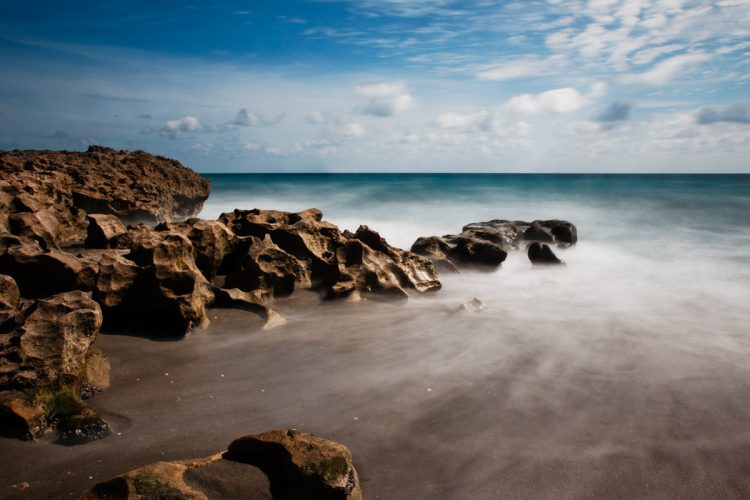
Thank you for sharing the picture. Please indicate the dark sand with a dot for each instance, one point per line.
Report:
(432, 404)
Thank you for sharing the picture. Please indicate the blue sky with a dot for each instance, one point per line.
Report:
(385, 85)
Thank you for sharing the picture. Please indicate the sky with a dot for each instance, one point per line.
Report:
(384, 85)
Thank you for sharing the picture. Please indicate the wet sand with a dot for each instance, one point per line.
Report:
(431, 402)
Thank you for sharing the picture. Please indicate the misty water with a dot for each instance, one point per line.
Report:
(623, 374)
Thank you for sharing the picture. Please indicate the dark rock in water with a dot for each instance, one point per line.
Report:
(539, 253)
(213, 242)
(103, 231)
(282, 252)
(43, 364)
(485, 244)
(300, 465)
(473, 250)
(277, 464)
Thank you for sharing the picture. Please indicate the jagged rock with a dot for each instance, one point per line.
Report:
(268, 268)
(46, 194)
(487, 243)
(42, 367)
(42, 227)
(368, 263)
(540, 253)
(288, 251)
(103, 231)
(212, 241)
(39, 274)
(168, 295)
(116, 281)
(249, 301)
(300, 465)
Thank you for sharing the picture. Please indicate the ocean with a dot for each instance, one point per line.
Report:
(623, 374)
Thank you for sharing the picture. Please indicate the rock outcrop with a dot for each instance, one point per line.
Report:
(46, 195)
(44, 352)
(156, 287)
(277, 464)
(280, 252)
(486, 244)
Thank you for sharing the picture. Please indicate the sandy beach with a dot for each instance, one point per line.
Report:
(502, 408)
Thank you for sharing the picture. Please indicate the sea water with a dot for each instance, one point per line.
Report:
(624, 373)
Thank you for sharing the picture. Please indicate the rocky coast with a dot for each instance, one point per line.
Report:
(107, 241)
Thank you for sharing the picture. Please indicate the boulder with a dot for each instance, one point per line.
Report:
(43, 364)
(212, 241)
(268, 268)
(164, 292)
(300, 465)
(276, 464)
(103, 231)
(540, 253)
(39, 274)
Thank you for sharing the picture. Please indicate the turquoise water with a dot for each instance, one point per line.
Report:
(708, 211)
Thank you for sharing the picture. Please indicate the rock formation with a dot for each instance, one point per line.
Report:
(282, 252)
(278, 464)
(46, 194)
(45, 346)
(486, 244)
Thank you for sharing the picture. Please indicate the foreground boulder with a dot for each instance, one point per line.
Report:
(280, 252)
(486, 244)
(43, 366)
(46, 195)
(277, 464)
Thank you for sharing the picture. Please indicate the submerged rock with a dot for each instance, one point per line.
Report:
(277, 464)
(474, 305)
(539, 253)
(485, 244)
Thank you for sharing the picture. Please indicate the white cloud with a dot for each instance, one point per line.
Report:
(386, 99)
(663, 72)
(251, 146)
(563, 100)
(353, 130)
(173, 129)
